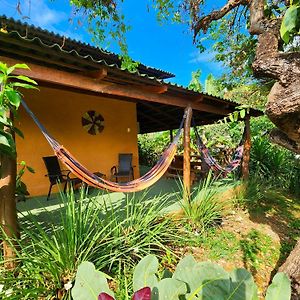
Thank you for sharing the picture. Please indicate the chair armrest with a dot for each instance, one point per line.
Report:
(55, 176)
(113, 170)
(67, 172)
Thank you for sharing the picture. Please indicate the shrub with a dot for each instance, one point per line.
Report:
(151, 146)
(191, 280)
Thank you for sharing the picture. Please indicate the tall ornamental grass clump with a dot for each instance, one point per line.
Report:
(139, 227)
(92, 229)
(206, 206)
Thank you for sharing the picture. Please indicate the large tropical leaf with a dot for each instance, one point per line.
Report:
(89, 283)
(144, 273)
(142, 294)
(169, 289)
(242, 285)
(280, 289)
(290, 23)
(205, 280)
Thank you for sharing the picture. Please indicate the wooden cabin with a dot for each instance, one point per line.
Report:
(77, 81)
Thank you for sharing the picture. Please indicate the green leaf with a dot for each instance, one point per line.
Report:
(30, 169)
(5, 121)
(242, 285)
(205, 280)
(7, 144)
(24, 85)
(25, 78)
(13, 97)
(4, 140)
(22, 163)
(243, 113)
(184, 267)
(235, 115)
(144, 273)
(3, 67)
(289, 23)
(89, 283)
(18, 132)
(17, 66)
(169, 289)
(280, 289)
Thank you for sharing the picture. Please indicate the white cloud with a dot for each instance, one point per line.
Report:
(36, 12)
(40, 14)
(204, 57)
(43, 13)
(205, 61)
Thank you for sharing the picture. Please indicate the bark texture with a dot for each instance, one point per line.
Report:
(8, 213)
(283, 107)
(247, 148)
(292, 268)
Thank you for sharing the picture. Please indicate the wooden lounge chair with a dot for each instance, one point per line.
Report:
(124, 170)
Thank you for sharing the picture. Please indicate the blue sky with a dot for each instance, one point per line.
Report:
(168, 46)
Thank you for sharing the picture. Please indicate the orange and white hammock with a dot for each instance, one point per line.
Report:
(93, 180)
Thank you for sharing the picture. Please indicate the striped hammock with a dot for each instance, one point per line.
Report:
(212, 163)
(93, 180)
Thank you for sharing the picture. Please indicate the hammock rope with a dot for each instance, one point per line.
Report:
(211, 161)
(93, 180)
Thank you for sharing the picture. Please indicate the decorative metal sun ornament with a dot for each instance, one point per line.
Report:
(92, 122)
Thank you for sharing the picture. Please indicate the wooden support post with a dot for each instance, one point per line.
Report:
(247, 148)
(171, 136)
(187, 154)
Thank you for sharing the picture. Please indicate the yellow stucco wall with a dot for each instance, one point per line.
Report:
(60, 112)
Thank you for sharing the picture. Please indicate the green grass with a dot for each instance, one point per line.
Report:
(115, 230)
(107, 233)
(258, 250)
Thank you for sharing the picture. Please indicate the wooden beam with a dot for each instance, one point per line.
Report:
(17, 52)
(199, 99)
(154, 120)
(97, 74)
(61, 78)
(247, 148)
(156, 109)
(171, 135)
(187, 154)
(157, 89)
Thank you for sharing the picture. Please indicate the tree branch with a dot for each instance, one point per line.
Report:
(280, 138)
(256, 16)
(205, 22)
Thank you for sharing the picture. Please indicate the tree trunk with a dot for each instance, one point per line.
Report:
(247, 149)
(292, 268)
(8, 212)
(283, 107)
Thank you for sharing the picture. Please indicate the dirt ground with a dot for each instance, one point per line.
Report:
(258, 237)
